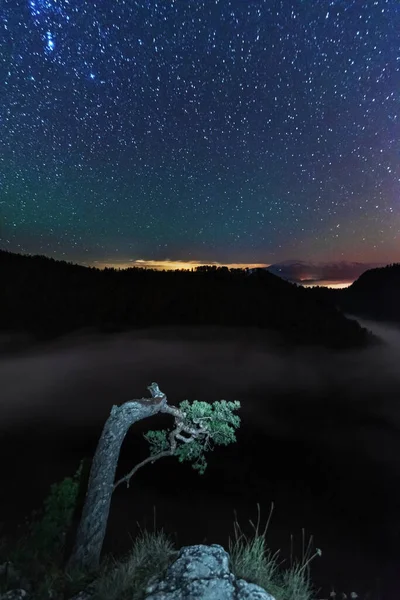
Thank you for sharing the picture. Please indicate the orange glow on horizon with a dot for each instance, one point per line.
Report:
(171, 265)
(338, 285)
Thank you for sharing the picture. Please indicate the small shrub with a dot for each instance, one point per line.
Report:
(47, 533)
(38, 552)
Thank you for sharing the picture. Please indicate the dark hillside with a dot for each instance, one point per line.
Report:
(46, 298)
(375, 294)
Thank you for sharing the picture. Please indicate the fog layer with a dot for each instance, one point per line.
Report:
(326, 422)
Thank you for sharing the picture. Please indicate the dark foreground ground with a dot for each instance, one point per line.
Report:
(320, 437)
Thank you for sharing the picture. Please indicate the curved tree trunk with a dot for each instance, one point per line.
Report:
(93, 523)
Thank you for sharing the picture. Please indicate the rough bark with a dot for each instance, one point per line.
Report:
(93, 523)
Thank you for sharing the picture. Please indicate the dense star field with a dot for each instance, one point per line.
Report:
(210, 130)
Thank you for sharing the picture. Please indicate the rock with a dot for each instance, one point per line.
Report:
(199, 572)
(18, 594)
(202, 572)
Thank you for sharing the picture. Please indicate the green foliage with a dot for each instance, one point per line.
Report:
(217, 417)
(47, 533)
(158, 441)
(217, 422)
(38, 552)
(193, 452)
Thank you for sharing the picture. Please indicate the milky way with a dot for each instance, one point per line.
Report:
(209, 130)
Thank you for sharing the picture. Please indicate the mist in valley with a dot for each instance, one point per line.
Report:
(320, 437)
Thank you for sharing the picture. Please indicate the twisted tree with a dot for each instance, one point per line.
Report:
(198, 426)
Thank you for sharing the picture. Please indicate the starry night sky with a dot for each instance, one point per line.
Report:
(234, 131)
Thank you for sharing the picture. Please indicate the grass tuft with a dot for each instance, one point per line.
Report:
(252, 560)
(150, 556)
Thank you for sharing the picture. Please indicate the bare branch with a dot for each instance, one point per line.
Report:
(175, 412)
(184, 439)
(195, 432)
(149, 459)
(173, 436)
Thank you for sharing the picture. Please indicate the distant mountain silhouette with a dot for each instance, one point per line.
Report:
(298, 271)
(47, 298)
(375, 294)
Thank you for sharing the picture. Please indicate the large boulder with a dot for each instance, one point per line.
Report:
(202, 572)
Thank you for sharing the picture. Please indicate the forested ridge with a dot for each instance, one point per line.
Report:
(47, 298)
(375, 294)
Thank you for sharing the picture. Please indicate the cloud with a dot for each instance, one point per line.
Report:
(73, 377)
(333, 274)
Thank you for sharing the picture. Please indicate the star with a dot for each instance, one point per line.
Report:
(216, 131)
